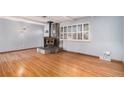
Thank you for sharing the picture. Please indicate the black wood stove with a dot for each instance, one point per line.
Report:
(51, 43)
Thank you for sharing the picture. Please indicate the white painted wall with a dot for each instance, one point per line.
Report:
(11, 37)
(106, 34)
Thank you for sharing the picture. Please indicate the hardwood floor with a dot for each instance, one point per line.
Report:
(30, 63)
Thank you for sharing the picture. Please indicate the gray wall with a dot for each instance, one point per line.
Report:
(106, 34)
(123, 39)
(13, 37)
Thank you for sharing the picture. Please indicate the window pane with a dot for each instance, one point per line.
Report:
(80, 28)
(69, 28)
(65, 29)
(61, 33)
(65, 36)
(74, 35)
(86, 36)
(69, 36)
(86, 27)
(80, 36)
(61, 36)
(61, 30)
(74, 28)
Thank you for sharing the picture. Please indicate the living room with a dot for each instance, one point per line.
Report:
(92, 41)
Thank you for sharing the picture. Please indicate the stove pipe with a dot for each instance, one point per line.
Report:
(50, 25)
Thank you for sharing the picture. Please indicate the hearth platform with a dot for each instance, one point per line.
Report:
(47, 50)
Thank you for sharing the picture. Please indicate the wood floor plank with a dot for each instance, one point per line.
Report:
(30, 63)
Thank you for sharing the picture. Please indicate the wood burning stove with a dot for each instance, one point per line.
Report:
(51, 43)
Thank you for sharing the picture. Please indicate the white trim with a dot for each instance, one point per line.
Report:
(89, 31)
(21, 20)
(75, 40)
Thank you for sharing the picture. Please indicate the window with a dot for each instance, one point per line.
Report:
(65, 32)
(86, 32)
(61, 33)
(69, 32)
(78, 32)
(74, 30)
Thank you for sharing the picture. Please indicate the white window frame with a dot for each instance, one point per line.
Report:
(77, 39)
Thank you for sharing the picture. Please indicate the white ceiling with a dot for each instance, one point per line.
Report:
(42, 19)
